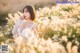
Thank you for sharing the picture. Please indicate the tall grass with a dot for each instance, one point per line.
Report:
(58, 31)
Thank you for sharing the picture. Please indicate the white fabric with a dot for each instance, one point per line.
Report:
(27, 33)
(15, 28)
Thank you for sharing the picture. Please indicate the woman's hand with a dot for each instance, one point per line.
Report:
(22, 17)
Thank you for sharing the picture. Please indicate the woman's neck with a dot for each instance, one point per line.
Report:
(29, 21)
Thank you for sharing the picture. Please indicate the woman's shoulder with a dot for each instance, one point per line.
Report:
(34, 25)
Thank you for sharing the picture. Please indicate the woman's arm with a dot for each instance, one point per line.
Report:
(35, 29)
(21, 27)
(15, 27)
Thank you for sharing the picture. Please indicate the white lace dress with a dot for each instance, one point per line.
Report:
(26, 33)
(15, 28)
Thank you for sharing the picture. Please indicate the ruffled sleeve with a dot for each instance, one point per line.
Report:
(15, 27)
(21, 27)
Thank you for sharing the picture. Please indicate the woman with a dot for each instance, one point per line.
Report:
(26, 28)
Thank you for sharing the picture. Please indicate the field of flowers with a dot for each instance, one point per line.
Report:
(58, 31)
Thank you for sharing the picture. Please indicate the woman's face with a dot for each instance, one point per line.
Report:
(26, 14)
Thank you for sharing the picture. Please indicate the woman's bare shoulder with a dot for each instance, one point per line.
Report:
(35, 25)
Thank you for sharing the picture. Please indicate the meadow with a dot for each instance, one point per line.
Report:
(58, 31)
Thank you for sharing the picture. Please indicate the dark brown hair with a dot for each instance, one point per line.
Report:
(31, 10)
